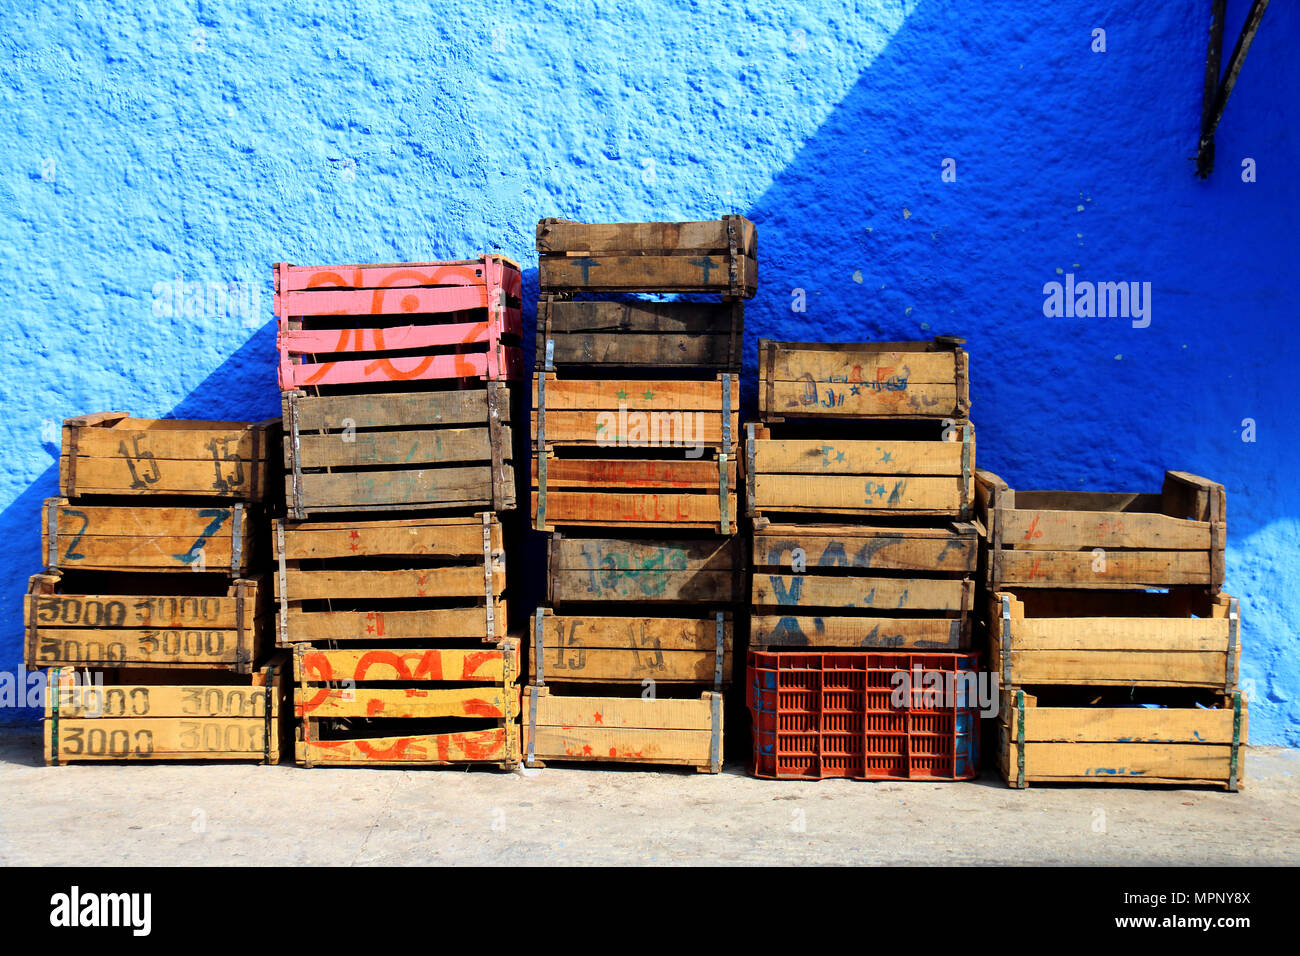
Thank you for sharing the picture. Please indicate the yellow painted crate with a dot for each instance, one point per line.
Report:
(136, 715)
(407, 706)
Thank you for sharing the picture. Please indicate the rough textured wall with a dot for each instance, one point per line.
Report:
(150, 141)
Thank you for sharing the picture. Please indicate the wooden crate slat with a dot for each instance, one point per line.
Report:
(403, 369)
(396, 302)
(444, 487)
(942, 634)
(389, 410)
(695, 571)
(405, 702)
(485, 665)
(397, 447)
(321, 626)
(399, 276)
(496, 745)
(861, 592)
(952, 550)
(423, 535)
(427, 582)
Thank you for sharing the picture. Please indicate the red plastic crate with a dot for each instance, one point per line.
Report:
(347, 325)
(819, 715)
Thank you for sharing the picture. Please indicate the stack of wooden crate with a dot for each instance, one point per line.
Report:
(152, 617)
(635, 431)
(398, 407)
(1117, 650)
(859, 480)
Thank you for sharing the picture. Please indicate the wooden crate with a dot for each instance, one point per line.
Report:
(417, 321)
(646, 571)
(863, 380)
(717, 257)
(147, 715)
(109, 453)
(640, 335)
(1115, 638)
(924, 469)
(403, 706)
(411, 579)
(577, 648)
(155, 621)
(401, 451)
(1185, 746)
(686, 733)
(140, 537)
(1082, 539)
(857, 586)
(627, 453)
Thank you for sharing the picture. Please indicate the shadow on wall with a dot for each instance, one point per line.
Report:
(242, 388)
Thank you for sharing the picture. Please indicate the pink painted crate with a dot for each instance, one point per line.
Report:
(373, 324)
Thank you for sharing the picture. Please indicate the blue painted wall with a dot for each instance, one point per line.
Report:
(147, 141)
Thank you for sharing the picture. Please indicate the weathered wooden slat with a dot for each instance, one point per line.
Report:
(863, 367)
(665, 238)
(469, 487)
(1112, 569)
(875, 593)
(594, 569)
(418, 535)
(859, 632)
(1123, 668)
(395, 278)
(834, 457)
(486, 701)
(581, 508)
(424, 582)
(175, 738)
(398, 410)
(637, 395)
(495, 745)
(92, 701)
(443, 445)
(426, 624)
(868, 494)
(950, 550)
(1032, 529)
(665, 429)
(613, 473)
(396, 302)
(485, 665)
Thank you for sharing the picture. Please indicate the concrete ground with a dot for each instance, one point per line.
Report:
(217, 814)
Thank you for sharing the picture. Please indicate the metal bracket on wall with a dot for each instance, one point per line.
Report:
(1215, 93)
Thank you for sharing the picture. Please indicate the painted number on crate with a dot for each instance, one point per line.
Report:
(218, 516)
(622, 573)
(53, 651)
(72, 554)
(190, 643)
(98, 742)
(227, 479)
(140, 462)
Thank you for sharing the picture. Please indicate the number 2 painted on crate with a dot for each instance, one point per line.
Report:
(72, 553)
